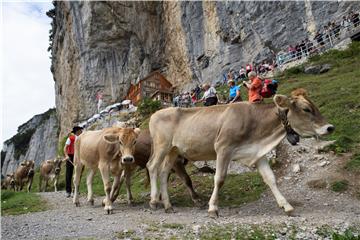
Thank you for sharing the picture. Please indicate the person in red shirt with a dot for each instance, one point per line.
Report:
(69, 155)
(254, 87)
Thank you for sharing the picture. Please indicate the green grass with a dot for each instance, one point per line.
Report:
(173, 225)
(236, 232)
(15, 203)
(354, 163)
(340, 186)
(237, 190)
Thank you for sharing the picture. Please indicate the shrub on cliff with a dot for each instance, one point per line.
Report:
(148, 106)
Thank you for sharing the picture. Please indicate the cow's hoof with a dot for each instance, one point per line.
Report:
(213, 214)
(109, 211)
(91, 202)
(288, 209)
(153, 206)
(131, 204)
(77, 204)
(169, 210)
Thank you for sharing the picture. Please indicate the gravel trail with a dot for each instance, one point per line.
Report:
(314, 208)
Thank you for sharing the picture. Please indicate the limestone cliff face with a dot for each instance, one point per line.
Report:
(107, 45)
(36, 140)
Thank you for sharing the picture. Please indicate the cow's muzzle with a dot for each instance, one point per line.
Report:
(12, 183)
(57, 170)
(31, 173)
(128, 160)
(325, 130)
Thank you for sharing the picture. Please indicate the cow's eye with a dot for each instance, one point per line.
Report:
(121, 143)
(134, 143)
(307, 110)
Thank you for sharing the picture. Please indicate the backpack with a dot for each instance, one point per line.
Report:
(269, 88)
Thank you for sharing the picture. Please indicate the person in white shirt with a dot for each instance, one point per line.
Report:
(210, 96)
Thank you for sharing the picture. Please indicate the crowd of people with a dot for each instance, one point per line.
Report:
(323, 39)
(258, 88)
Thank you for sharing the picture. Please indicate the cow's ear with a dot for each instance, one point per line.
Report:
(22, 164)
(282, 101)
(8, 175)
(111, 138)
(137, 131)
(48, 161)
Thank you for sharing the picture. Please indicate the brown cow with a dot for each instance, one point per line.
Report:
(8, 182)
(24, 174)
(96, 150)
(50, 170)
(239, 131)
(141, 155)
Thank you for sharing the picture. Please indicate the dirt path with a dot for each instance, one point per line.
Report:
(316, 210)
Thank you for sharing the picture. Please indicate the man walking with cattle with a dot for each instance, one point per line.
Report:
(69, 155)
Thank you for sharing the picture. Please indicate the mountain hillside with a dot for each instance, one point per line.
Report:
(109, 45)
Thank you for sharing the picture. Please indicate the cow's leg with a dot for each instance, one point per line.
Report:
(118, 180)
(153, 165)
(30, 184)
(105, 174)
(181, 172)
(128, 172)
(46, 184)
(40, 183)
(164, 175)
(89, 181)
(21, 185)
(78, 171)
(222, 163)
(55, 183)
(269, 178)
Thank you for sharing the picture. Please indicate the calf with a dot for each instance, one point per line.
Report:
(141, 155)
(24, 174)
(50, 170)
(98, 150)
(8, 182)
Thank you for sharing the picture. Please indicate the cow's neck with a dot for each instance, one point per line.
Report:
(292, 136)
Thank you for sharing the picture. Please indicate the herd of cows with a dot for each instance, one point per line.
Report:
(24, 174)
(240, 131)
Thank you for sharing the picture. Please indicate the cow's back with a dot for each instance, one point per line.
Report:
(46, 168)
(192, 131)
(20, 173)
(87, 147)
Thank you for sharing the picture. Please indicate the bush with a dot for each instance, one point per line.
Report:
(148, 106)
(294, 70)
(339, 186)
(354, 163)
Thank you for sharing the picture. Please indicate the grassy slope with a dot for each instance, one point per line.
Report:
(337, 93)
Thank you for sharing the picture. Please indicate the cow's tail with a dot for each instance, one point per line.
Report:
(77, 151)
(147, 181)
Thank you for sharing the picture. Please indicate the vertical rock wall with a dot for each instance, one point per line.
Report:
(36, 140)
(108, 45)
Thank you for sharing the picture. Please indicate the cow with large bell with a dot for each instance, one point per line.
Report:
(240, 131)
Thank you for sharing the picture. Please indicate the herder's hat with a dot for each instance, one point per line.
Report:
(76, 128)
